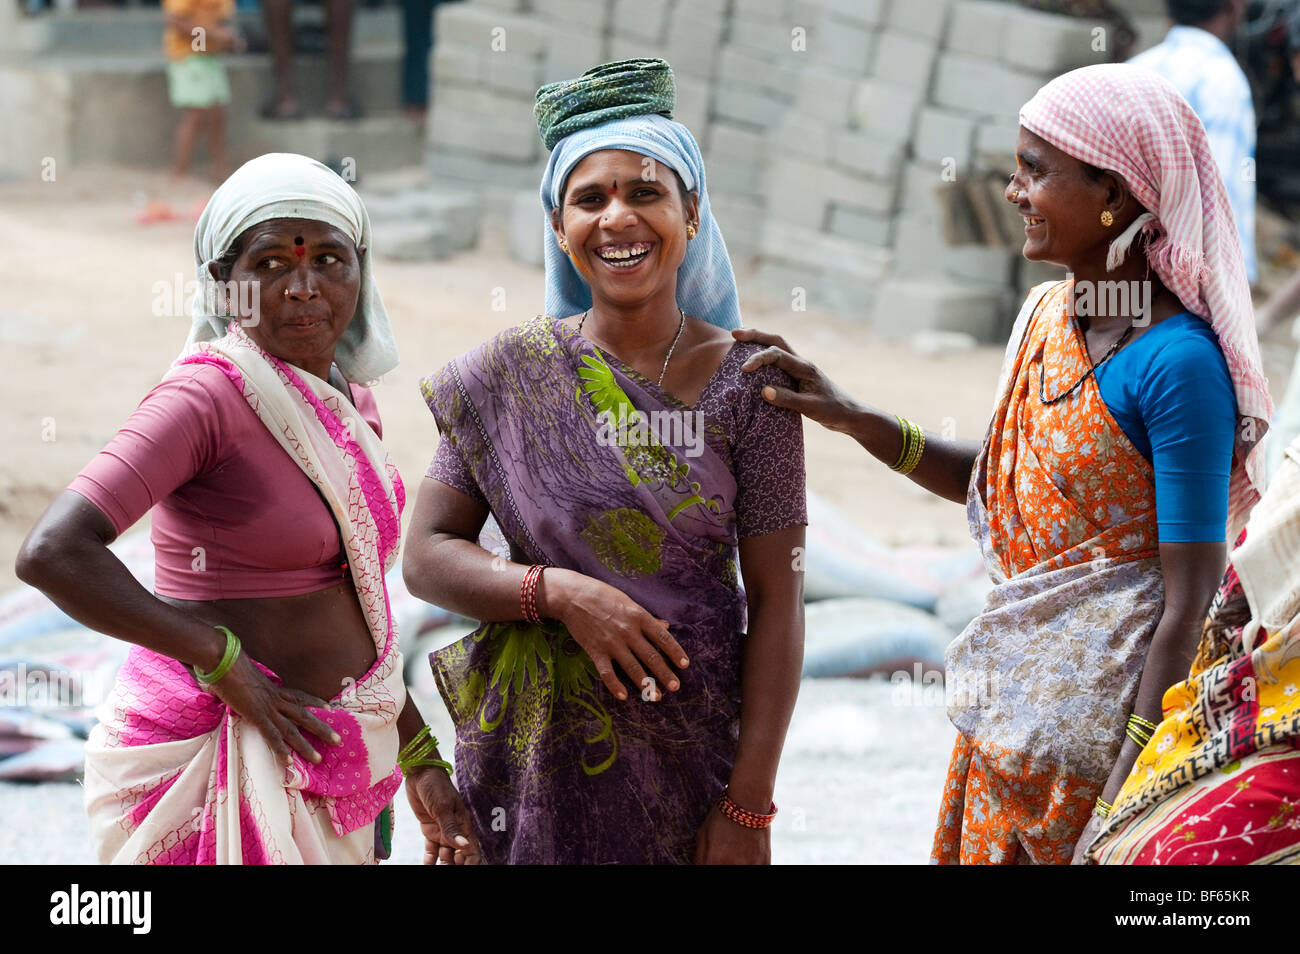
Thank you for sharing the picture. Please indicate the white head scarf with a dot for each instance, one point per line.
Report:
(284, 185)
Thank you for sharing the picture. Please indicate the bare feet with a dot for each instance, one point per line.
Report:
(346, 109)
(282, 106)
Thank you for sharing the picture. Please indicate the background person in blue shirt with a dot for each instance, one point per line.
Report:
(1195, 57)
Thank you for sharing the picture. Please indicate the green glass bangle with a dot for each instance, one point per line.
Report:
(418, 753)
(227, 660)
(907, 443)
(424, 763)
(915, 451)
(1104, 808)
(1140, 739)
(415, 743)
(1135, 719)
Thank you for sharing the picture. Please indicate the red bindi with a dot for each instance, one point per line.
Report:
(613, 190)
(298, 247)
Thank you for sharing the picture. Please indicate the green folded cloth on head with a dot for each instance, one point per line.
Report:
(610, 91)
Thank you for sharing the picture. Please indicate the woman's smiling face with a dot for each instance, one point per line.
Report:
(1061, 203)
(308, 280)
(624, 218)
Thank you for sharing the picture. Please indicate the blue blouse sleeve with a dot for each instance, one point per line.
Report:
(1189, 409)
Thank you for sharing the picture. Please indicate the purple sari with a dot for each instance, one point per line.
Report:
(553, 767)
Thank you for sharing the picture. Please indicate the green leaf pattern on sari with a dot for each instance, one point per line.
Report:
(531, 667)
(652, 462)
(626, 541)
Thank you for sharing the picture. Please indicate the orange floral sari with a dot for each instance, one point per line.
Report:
(1063, 507)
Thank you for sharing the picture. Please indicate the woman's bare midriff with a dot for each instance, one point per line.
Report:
(317, 642)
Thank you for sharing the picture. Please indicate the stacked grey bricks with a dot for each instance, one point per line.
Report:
(754, 86)
(830, 185)
(423, 223)
(991, 58)
(487, 64)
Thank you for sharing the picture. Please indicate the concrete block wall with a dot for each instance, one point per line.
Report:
(836, 132)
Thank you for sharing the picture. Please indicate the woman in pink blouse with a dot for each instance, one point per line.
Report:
(275, 513)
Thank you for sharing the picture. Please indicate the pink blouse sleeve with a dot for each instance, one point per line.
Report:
(363, 399)
(169, 439)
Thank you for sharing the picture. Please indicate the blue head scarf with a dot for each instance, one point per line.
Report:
(706, 284)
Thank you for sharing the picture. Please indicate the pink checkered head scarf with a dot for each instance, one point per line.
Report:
(1133, 122)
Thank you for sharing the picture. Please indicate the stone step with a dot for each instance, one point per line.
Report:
(526, 237)
(140, 31)
(374, 73)
(459, 209)
(904, 308)
(421, 222)
(113, 107)
(416, 240)
(373, 144)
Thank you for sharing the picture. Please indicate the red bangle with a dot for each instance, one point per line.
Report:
(743, 816)
(528, 593)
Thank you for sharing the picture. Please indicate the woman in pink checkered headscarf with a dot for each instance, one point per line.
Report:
(1082, 636)
(1119, 462)
(1135, 123)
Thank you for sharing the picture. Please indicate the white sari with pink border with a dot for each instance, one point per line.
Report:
(175, 777)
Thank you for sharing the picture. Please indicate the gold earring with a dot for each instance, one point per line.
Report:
(564, 246)
(690, 232)
(1106, 218)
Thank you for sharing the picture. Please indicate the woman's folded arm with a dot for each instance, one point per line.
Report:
(66, 556)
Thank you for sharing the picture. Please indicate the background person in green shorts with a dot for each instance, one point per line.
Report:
(196, 33)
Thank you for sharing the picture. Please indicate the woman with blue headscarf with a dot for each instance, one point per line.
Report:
(628, 462)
